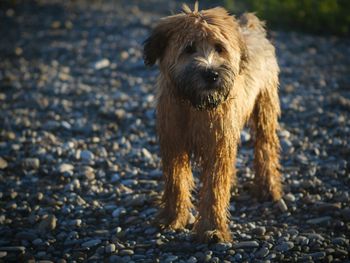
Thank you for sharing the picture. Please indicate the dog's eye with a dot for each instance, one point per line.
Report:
(219, 48)
(190, 49)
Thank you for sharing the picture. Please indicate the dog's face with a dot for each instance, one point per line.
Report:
(201, 53)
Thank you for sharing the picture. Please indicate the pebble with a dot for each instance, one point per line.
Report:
(222, 247)
(319, 220)
(87, 156)
(126, 252)
(26, 235)
(192, 259)
(110, 248)
(65, 167)
(237, 257)
(285, 246)
(246, 244)
(39, 196)
(118, 212)
(318, 255)
(3, 163)
(282, 205)
(48, 224)
(91, 243)
(170, 259)
(103, 63)
(340, 241)
(302, 240)
(146, 153)
(31, 163)
(88, 172)
(289, 197)
(13, 249)
(262, 252)
(115, 178)
(260, 231)
(245, 136)
(315, 236)
(37, 242)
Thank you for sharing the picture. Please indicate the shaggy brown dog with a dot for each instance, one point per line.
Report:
(216, 74)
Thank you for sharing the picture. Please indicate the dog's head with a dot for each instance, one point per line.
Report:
(201, 53)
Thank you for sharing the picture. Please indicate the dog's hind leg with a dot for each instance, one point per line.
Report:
(267, 147)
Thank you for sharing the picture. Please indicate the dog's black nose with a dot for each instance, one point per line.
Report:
(210, 75)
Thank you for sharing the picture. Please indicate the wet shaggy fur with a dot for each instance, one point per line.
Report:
(199, 119)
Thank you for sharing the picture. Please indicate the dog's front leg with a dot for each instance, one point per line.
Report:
(176, 200)
(177, 174)
(217, 177)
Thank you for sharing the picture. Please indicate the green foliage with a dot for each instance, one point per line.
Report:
(318, 16)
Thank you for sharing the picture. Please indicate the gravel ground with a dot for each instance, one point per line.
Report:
(79, 164)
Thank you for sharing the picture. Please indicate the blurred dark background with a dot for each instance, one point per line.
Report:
(312, 16)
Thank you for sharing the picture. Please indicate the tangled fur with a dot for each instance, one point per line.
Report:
(202, 117)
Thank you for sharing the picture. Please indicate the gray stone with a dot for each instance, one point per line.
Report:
(260, 231)
(315, 236)
(31, 163)
(151, 230)
(47, 224)
(238, 257)
(302, 240)
(245, 136)
(87, 156)
(37, 242)
(318, 255)
(262, 252)
(171, 258)
(115, 178)
(118, 212)
(115, 259)
(285, 246)
(246, 244)
(91, 243)
(192, 259)
(126, 252)
(319, 220)
(222, 246)
(26, 235)
(13, 249)
(110, 248)
(340, 241)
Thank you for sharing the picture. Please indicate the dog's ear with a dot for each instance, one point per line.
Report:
(154, 46)
(244, 56)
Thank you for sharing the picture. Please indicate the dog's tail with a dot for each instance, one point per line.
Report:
(250, 22)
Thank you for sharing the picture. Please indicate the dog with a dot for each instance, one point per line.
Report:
(217, 73)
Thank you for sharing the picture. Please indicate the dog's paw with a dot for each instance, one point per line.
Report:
(175, 222)
(268, 195)
(214, 236)
(264, 193)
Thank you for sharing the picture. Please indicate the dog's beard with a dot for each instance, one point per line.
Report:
(190, 86)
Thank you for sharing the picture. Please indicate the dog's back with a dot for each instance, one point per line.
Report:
(254, 34)
(250, 22)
